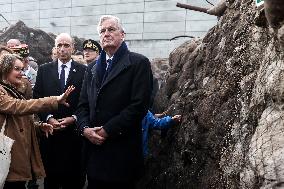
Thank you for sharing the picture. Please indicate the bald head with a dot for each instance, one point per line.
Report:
(13, 43)
(65, 37)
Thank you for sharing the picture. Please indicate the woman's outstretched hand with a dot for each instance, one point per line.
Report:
(62, 98)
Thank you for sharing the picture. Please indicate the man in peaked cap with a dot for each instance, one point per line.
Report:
(23, 51)
(91, 50)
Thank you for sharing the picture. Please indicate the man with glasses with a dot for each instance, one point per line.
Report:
(61, 152)
(114, 99)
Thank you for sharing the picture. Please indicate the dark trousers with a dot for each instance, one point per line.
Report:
(15, 185)
(98, 184)
(63, 183)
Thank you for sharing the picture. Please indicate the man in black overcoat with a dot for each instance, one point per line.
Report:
(114, 99)
(61, 152)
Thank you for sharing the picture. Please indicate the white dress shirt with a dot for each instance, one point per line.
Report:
(67, 69)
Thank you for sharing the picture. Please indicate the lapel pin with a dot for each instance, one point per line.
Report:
(74, 70)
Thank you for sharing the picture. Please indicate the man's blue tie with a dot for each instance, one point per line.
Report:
(62, 77)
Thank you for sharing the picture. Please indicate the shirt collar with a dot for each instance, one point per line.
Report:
(27, 70)
(107, 57)
(68, 64)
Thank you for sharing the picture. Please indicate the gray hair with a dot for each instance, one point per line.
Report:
(64, 35)
(13, 42)
(110, 17)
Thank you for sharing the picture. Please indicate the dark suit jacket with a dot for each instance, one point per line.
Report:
(61, 151)
(119, 105)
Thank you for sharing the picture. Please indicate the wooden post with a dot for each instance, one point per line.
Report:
(194, 8)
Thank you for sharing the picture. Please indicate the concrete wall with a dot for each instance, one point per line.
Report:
(149, 24)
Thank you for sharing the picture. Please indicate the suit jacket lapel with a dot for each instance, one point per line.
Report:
(54, 74)
(123, 63)
(95, 80)
(72, 73)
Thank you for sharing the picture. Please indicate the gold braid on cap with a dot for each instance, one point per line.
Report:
(90, 45)
(22, 50)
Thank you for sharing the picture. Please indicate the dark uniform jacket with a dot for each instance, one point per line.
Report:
(119, 104)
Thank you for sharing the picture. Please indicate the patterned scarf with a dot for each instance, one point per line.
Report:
(12, 91)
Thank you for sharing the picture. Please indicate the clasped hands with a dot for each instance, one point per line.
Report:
(96, 135)
(62, 123)
(55, 124)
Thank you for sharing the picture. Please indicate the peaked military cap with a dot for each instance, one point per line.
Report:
(22, 50)
(91, 44)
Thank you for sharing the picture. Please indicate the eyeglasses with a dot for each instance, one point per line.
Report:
(110, 30)
(19, 69)
(65, 45)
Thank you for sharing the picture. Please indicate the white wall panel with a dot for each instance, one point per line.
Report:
(149, 24)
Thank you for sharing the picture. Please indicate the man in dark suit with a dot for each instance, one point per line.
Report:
(91, 50)
(114, 99)
(61, 152)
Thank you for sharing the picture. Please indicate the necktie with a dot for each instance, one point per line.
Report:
(109, 64)
(62, 77)
(108, 68)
